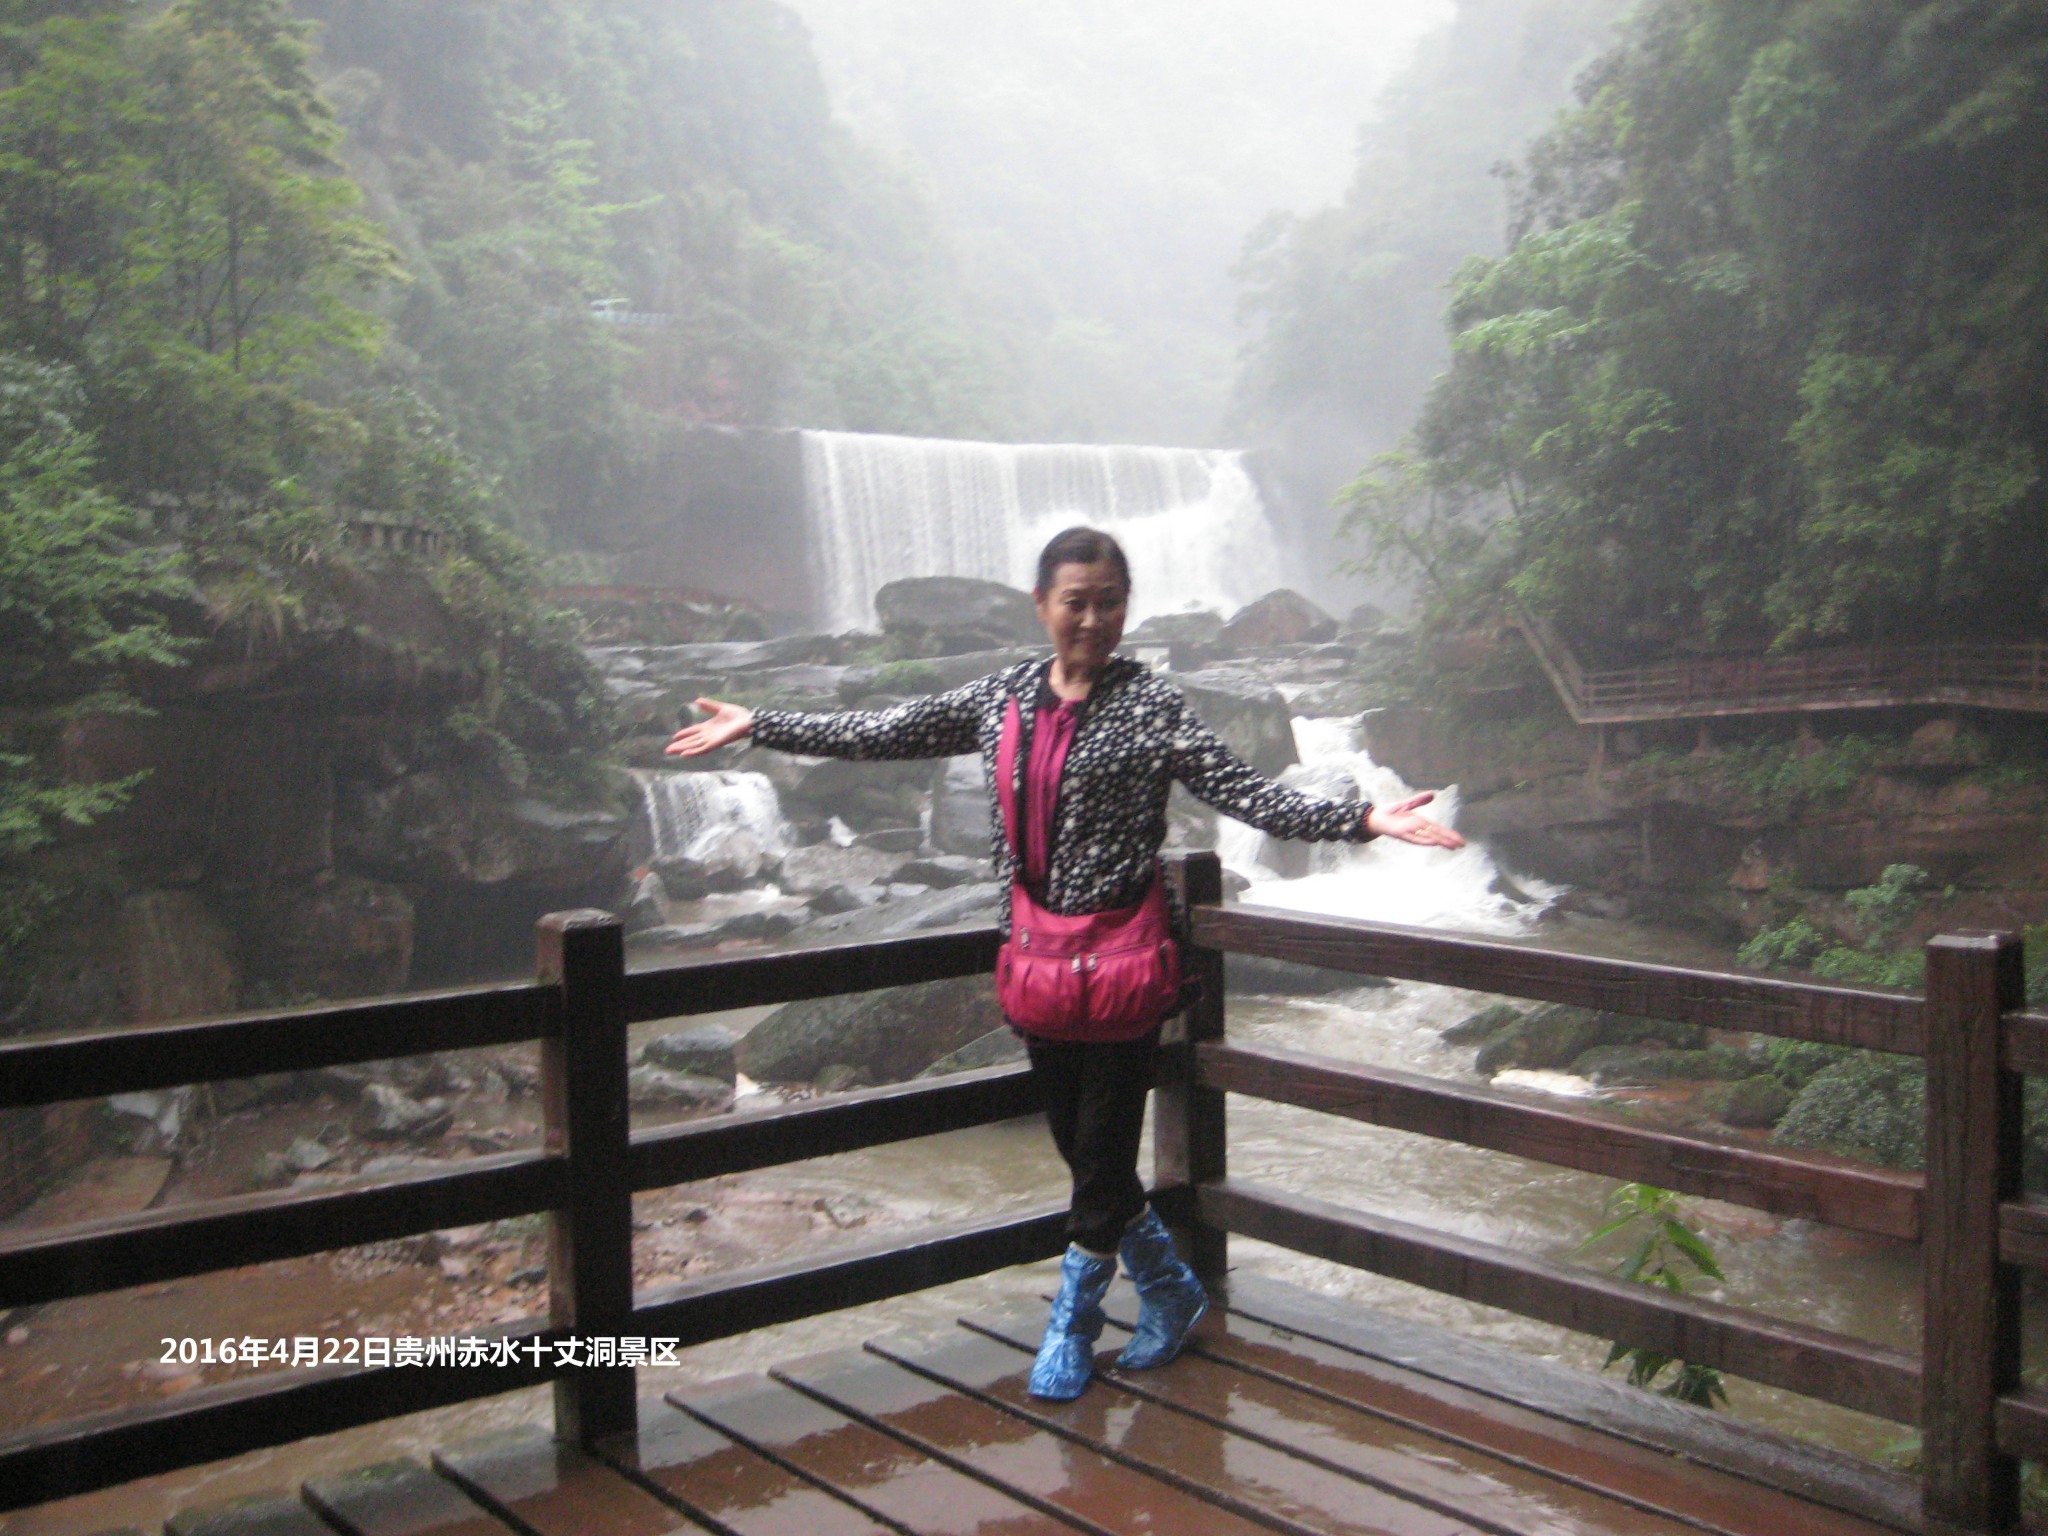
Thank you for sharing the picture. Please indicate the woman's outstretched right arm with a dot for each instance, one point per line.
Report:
(943, 725)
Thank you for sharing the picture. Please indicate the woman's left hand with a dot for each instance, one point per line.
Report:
(1404, 819)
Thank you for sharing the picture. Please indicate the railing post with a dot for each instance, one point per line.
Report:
(1187, 1119)
(1971, 1328)
(585, 1117)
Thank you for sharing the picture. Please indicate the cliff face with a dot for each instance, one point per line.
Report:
(1660, 825)
(303, 829)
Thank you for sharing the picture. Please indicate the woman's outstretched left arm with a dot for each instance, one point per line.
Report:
(1219, 777)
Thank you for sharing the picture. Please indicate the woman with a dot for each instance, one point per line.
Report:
(1089, 744)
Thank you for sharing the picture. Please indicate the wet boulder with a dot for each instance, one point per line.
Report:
(1555, 1036)
(960, 813)
(1248, 712)
(432, 828)
(1281, 617)
(997, 1048)
(385, 1113)
(1751, 1104)
(923, 675)
(948, 615)
(824, 865)
(944, 871)
(701, 1050)
(346, 936)
(1192, 639)
(658, 1085)
(888, 1036)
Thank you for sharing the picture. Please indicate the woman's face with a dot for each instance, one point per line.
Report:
(1083, 613)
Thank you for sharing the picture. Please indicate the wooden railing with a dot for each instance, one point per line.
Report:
(1988, 675)
(1975, 1228)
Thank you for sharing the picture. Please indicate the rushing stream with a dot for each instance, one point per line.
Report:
(1857, 1285)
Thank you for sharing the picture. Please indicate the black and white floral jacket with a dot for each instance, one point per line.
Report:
(1138, 736)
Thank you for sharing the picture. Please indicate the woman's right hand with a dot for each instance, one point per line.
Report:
(728, 723)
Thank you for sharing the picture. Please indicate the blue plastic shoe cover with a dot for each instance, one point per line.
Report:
(1170, 1299)
(1067, 1357)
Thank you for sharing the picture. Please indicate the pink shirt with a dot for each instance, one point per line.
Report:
(1051, 736)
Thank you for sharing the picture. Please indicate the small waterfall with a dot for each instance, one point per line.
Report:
(882, 508)
(1384, 881)
(724, 820)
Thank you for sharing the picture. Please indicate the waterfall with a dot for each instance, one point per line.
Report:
(882, 508)
(1385, 880)
(722, 820)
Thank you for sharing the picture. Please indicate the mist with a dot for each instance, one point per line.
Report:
(1097, 171)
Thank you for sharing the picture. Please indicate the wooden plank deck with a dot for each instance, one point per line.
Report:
(1288, 1413)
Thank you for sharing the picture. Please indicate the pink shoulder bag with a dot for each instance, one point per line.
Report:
(1102, 976)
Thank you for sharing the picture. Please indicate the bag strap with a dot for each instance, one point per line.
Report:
(1006, 775)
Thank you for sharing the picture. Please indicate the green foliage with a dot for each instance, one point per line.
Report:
(1882, 910)
(552, 163)
(1667, 1251)
(81, 613)
(1867, 1105)
(1763, 362)
(1345, 303)
(1779, 778)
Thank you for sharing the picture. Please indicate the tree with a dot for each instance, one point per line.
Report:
(1768, 359)
(82, 610)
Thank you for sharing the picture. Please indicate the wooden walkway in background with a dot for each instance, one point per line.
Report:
(1289, 1414)
(2010, 675)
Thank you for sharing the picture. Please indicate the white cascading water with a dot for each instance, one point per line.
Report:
(730, 819)
(882, 508)
(1382, 881)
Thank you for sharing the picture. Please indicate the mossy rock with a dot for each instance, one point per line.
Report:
(1623, 1065)
(1639, 1065)
(1870, 1106)
(1483, 1025)
(1753, 1103)
(1554, 1036)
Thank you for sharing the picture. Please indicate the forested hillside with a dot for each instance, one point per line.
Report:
(531, 157)
(312, 331)
(1345, 305)
(1767, 362)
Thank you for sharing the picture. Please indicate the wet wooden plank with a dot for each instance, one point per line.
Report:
(1648, 1480)
(894, 1482)
(1836, 1368)
(788, 1133)
(58, 1461)
(2024, 1046)
(586, 1114)
(1874, 1020)
(1190, 1130)
(1975, 1135)
(1242, 1475)
(169, 1244)
(86, 1064)
(719, 1306)
(546, 1488)
(1567, 1397)
(2023, 1425)
(721, 1482)
(1058, 1476)
(2023, 1232)
(260, 1515)
(747, 981)
(1404, 1460)
(399, 1498)
(1881, 1200)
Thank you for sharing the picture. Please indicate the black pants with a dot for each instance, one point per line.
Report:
(1094, 1098)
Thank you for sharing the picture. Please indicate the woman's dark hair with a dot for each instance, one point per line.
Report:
(1080, 546)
